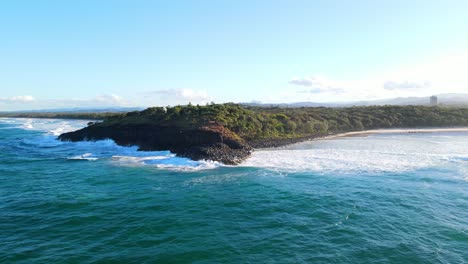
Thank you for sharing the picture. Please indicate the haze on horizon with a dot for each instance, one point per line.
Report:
(142, 53)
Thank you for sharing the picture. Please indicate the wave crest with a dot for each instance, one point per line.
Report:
(387, 153)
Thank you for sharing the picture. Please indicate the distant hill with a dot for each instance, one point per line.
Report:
(444, 99)
(71, 113)
(81, 110)
(448, 99)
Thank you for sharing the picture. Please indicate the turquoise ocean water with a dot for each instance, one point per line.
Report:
(387, 198)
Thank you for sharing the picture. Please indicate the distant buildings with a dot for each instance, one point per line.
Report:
(433, 100)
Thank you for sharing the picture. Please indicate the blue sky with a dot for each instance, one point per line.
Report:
(141, 53)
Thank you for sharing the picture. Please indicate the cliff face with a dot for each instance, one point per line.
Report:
(212, 142)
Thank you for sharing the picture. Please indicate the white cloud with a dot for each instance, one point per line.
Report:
(159, 97)
(442, 74)
(406, 85)
(302, 81)
(17, 99)
(104, 100)
(181, 96)
(29, 103)
(110, 99)
(317, 85)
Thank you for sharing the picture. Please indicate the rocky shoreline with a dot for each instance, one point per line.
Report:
(212, 142)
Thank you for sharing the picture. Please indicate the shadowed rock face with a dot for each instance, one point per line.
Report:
(213, 142)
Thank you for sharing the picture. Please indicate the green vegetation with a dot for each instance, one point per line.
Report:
(256, 123)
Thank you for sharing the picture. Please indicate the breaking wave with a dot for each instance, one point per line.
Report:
(86, 156)
(170, 161)
(377, 152)
(382, 152)
(49, 126)
(106, 150)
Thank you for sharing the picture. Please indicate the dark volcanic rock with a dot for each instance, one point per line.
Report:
(275, 142)
(219, 152)
(213, 142)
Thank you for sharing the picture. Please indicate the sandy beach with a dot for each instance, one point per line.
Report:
(397, 131)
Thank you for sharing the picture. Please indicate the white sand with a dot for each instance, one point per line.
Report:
(398, 131)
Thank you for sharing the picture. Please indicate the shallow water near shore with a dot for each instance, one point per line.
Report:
(384, 198)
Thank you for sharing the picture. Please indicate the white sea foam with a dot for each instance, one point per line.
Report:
(63, 127)
(170, 161)
(378, 152)
(6, 120)
(103, 149)
(50, 126)
(383, 152)
(86, 156)
(28, 125)
(130, 156)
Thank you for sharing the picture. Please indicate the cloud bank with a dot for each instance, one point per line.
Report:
(152, 98)
(28, 102)
(441, 74)
(406, 85)
(318, 85)
(17, 99)
(181, 96)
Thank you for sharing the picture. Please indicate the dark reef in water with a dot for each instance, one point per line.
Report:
(211, 142)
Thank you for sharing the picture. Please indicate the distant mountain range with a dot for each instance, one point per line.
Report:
(455, 99)
(448, 99)
(82, 110)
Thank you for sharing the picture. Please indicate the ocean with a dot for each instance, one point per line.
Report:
(383, 198)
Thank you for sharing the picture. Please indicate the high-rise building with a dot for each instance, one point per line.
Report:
(433, 100)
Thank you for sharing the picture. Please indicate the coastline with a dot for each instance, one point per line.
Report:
(362, 133)
(396, 131)
(216, 142)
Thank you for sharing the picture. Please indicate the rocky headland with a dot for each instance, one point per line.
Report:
(228, 133)
(209, 142)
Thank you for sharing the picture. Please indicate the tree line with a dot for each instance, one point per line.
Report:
(273, 122)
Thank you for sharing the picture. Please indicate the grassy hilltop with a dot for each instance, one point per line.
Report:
(259, 123)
